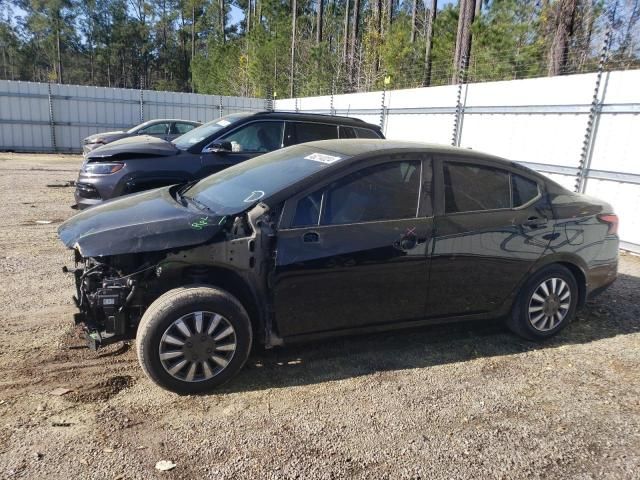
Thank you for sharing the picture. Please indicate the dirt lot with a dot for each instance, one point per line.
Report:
(464, 401)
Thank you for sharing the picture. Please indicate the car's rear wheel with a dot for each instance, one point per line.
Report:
(193, 339)
(545, 304)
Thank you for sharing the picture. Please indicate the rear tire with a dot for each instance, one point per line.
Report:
(545, 304)
(193, 339)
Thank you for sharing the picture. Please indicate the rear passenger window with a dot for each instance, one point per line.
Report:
(366, 133)
(469, 188)
(308, 132)
(523, 190)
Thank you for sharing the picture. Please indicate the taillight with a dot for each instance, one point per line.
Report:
(612, 221)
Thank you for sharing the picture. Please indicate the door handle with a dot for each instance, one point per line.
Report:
(311, 237)
(535, 222)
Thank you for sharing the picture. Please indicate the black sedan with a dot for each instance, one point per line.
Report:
(330, 238)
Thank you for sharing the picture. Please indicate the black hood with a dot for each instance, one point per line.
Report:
(138, 145)
(143, 222)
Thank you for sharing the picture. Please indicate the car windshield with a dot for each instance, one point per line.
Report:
(238, 187)
(197, 135)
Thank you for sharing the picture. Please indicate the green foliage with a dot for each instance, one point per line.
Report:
(181, 44)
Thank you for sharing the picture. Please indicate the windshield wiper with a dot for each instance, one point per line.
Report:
(196, 202)
(186, 187)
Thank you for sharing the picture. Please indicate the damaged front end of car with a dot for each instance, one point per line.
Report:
(109, 297)
(126, 257)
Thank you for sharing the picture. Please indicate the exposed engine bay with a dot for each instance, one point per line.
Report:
(113, 292)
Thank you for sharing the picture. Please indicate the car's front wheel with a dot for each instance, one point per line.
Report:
(546, 304)
(193, 339)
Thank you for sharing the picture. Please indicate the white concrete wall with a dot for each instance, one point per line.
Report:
(540, 122)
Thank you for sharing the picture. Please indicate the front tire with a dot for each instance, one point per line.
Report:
(545, 305)
(193, 339)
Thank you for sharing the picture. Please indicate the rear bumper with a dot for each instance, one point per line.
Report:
(600, 278)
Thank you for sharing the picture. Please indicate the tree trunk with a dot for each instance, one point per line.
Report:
(559, 53)
(222, 21)
(463, 38)
(248, 17)
(294, 13)
(430, 20)
(345, 47)
(478, 7)
(354, 38)
(59, 54)
(193, 42)
(319, 23)
(4, 63)
(414, 11)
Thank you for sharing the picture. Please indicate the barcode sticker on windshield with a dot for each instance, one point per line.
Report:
(321, 157)
(223, 123)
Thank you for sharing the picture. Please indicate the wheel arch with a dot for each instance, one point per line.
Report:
(574, 264)
(235, 284)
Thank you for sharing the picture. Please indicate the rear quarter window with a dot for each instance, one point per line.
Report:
(523, 190)
(366, 133)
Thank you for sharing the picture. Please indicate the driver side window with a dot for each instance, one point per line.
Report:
(256, 137)
(388, 191)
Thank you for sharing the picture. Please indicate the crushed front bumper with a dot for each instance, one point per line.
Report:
(101, 302)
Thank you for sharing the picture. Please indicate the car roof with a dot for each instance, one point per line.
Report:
(160, 120)
(318, 118)
(355, 147)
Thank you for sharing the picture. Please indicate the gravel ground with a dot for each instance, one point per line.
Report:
(461, 401)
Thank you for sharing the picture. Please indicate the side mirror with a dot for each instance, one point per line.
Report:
(218, 147)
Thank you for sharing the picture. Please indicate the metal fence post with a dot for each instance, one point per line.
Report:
(383, 108)
(220, 106)
(141, 103)
(268, 101)
(457, 121)
(594, 114)
(52, 125)
(332, 110)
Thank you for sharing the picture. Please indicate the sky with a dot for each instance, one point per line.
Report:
(236, 15)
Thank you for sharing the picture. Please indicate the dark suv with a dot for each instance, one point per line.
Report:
(143, 162)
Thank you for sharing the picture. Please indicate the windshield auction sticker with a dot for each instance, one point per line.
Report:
(321, 157)
(223, 123)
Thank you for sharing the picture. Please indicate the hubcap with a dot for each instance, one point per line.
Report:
(549, 304)
(197, 346)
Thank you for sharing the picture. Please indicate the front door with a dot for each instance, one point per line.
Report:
(355, 252)
(247, 141)
(491, 228)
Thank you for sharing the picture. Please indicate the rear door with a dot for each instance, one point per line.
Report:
(492, 224)
(354, 252)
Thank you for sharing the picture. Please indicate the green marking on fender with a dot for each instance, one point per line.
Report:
(200, 223)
